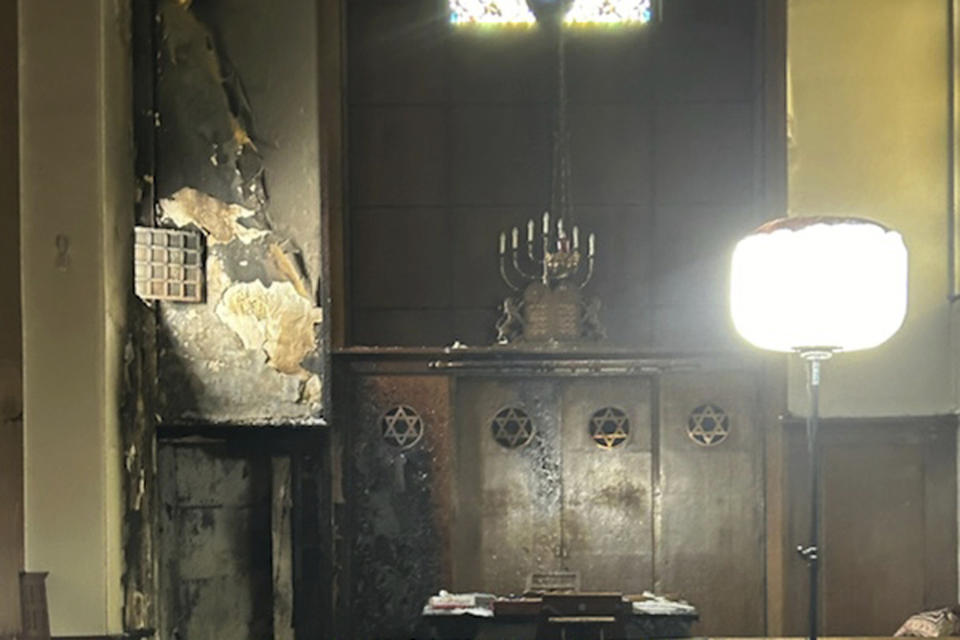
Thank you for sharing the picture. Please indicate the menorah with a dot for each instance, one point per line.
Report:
(550, 307)
(559, 258)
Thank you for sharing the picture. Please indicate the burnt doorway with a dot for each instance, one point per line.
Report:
(216, 545)
(242, 543)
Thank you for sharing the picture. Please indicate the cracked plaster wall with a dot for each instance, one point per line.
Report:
(238, 159)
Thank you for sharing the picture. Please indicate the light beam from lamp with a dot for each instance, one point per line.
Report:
(816, 286)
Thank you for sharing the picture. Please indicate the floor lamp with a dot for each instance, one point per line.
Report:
(816, 286)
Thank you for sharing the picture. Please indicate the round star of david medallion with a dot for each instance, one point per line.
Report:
(708, 425)
(609, 427)
(512, 428)
(401, 426)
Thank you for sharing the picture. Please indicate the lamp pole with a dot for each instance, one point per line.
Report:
(810, 552)
(852, 297)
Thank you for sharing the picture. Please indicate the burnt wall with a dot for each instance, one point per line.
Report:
(237, 159)
(449, 137)
(242, 535)
(399, 501)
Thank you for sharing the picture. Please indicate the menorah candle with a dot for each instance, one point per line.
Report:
(592, 244)
(576, 237)
(530, 230)
(546, 223)
(560, 227)
(503, 243)
(514, 238)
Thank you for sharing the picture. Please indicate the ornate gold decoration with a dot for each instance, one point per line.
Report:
(708, 425)
(609, 427)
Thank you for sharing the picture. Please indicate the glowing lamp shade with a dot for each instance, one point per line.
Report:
(819, 283)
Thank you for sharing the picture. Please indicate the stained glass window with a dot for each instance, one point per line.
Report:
(490, 12)
(586, 11)
(517, 12)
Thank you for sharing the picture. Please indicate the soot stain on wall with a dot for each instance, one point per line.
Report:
(400, 505)
(250, 353)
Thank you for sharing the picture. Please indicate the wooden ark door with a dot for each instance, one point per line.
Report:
(608, 483)
(539, 493)
(510, 483)
(635, 482)
(710, 530)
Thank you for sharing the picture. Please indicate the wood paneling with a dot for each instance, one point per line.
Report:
(608, 493)
(665, 125)
(518, 492)
(658, 512)
(561, 502)
(888, 522)
(709, 544)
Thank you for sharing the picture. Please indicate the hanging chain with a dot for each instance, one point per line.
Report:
(560, 199)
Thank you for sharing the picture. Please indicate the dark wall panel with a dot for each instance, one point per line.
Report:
(889, 517)
(664, 122)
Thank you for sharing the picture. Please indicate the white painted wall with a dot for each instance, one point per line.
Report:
(76, 183)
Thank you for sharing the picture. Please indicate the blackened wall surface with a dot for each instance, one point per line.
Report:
(449, 136)
(215, 542)
(399, 499)
(237, 159)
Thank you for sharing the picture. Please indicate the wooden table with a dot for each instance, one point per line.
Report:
(560, 617)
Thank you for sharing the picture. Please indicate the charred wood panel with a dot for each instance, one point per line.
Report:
(399, 501)
(139, 393)
(217, 543)
(216, 572)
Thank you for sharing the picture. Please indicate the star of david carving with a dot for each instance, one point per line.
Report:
(708, 425)
(609, 427)
(512, 428)
(402, 426)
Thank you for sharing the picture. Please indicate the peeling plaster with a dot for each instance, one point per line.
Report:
(275, 318)
(251, 352)
(221, 222)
